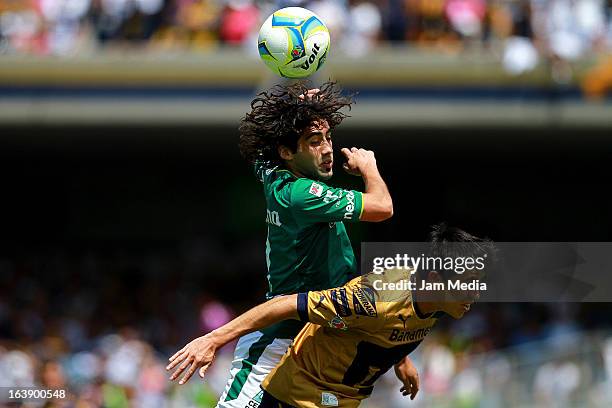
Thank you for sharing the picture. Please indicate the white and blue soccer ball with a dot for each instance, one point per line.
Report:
(293, 42)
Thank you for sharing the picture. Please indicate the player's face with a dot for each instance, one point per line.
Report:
(459, 302)
(314, 157)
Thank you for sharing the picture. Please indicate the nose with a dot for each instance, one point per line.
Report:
(327, 146)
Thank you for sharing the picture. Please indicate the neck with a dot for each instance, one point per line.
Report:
(425, 307)
(428, 307)
(293, 171)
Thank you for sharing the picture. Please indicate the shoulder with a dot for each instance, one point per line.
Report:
(391, 284)
(303, 189)
(308, 191)
(279, 184)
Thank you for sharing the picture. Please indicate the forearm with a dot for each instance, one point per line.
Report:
(376, 195)
(374, 183)
(263, 315)
(405, 360)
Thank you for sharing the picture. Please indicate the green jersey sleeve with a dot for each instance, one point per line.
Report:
(313, 202)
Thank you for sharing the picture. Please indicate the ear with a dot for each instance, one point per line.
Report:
(285, 153)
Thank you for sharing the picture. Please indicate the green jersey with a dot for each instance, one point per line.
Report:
(307, 246)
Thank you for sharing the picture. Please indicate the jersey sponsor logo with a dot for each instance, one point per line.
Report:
(330, 196)
(340, 301)
(255, 401)
(363, 302)
(316, 189)
(273, 218)
(409, 335)
(350, 206)
(329, 400)
(338, 323)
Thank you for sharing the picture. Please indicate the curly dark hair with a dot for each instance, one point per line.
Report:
(279, 116)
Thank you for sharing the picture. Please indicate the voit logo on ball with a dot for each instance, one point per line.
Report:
(313, 56)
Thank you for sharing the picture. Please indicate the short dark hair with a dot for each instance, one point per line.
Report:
(453, 242)
(279, 116)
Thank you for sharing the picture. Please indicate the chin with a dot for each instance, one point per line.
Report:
(326, 176)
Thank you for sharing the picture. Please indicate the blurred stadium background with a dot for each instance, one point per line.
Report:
(129, 223)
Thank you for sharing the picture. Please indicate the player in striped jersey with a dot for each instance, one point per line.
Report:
(355, 333)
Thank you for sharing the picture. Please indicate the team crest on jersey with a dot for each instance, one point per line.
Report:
(316, 189)
(338, 323)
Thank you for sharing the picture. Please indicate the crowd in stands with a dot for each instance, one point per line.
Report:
(101, 326)
(567, 29)
(521, 34)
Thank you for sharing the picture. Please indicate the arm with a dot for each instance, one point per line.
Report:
(200, 353)
(377, 202)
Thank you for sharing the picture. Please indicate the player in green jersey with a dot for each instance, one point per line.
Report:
(287, 136)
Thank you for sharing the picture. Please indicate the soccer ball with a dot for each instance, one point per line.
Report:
(293, 42)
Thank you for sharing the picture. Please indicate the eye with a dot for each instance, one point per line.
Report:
(316, 140)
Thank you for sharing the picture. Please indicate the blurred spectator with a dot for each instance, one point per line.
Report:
(520, 53)
(361, 35)
(597, 81)
(238, 19)
(466, 17)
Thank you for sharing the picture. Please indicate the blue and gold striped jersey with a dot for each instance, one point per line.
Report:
(354, 335)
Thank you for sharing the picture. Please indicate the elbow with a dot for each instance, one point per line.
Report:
(385, 212)
(377, 210)
(390, 212)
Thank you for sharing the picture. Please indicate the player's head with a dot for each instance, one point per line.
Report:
(459, 246)
(291, 126)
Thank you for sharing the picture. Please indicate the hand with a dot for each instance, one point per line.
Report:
(311, 93)
(199, 353)
(407, 374)
(358, 160)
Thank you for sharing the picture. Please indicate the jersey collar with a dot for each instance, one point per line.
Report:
(416, 309)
